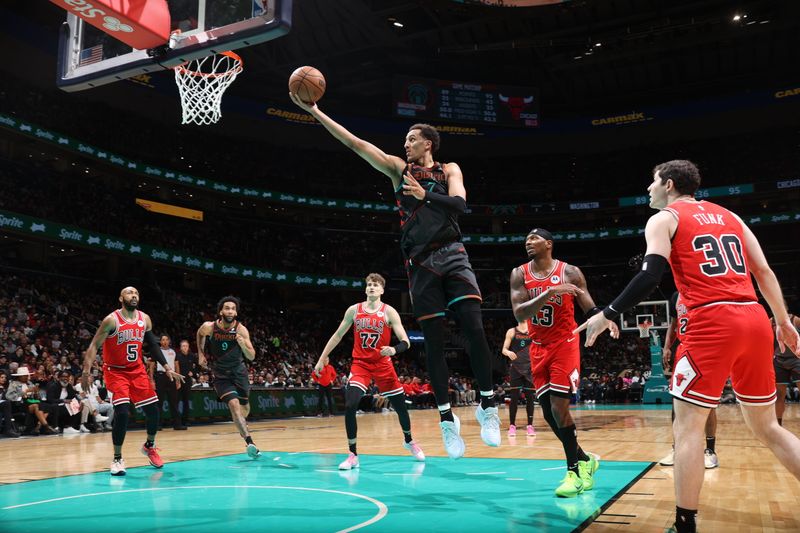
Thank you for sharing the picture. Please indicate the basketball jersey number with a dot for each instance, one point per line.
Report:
(224, 345)
(369, 340)
(133, 352)
(722, 254)
(683, 323)
(544, 317)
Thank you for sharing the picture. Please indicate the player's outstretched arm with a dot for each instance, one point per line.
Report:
(399, 332)
(585, 301)
(202, 332)
(785, 332)
(658, 233)
(106, 327)
(390, 165)
(336, 338)
(507, 345)
(243, 339)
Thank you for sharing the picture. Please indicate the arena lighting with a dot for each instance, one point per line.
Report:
(737, 18)
(397, 24)
(598, 45)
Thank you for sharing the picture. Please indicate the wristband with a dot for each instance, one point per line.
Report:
(401, 347)
(593, 311)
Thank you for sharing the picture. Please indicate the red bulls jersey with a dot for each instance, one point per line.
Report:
(708, 259)
(370, 332)
(556, 319)
(123, 348)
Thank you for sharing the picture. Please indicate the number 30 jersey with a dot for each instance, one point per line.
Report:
(123, 348)
(556, 319)
(370, 332)
(708, 259)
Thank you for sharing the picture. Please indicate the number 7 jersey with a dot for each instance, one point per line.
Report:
(370, 332)
(707, 259)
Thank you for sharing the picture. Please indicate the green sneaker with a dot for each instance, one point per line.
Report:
(587, 470)
(571, 485)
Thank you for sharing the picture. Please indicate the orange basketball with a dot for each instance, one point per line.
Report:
(308, 84)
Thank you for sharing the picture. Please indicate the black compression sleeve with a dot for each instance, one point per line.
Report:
(455, 204)
(401, 347)
(155, 348)
(640, 287)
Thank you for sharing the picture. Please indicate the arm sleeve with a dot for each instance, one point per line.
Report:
(640, 286)
(155, 348)
(454, 204)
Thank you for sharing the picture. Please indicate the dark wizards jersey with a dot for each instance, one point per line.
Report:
(225, 354)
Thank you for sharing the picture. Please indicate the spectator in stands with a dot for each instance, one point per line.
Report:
(60, 393)
(5, 409)
(324, 381)
(27, 396)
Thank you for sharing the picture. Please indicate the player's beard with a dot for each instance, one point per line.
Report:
(227, 320)
(130, 306)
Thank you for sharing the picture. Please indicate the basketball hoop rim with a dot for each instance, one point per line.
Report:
(236, 69)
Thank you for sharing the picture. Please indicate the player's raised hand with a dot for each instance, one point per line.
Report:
(174, 376)
(565, 288)
(787, 337)
(301, 104)
(594, 327)
(388, 351)
(411, 187)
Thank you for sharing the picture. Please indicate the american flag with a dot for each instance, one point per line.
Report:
(91, 55)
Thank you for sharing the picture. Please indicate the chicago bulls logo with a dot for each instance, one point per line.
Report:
(516, 104)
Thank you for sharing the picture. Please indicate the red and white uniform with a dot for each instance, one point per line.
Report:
(371, 331)
(555, 352)
(727, 331)
(123, 367)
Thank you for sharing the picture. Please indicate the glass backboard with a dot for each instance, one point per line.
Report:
(88, 57)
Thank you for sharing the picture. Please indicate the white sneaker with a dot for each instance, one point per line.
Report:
(71, 431)
(669, 459)
(451, 436)
(100, 418)
(350, 463)
(489, 420)
(84, 429)
(108, 426)
(252, 451)
(711, 459)
(118, 467)
(415, 450)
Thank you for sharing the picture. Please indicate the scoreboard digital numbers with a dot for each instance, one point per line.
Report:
(455, 101)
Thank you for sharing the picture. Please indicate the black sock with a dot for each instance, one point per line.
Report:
(149, 443)
(569, 439)
(117, 456)
(407, 436)
(529, 407)
(248, 439)
(710, 441)
(487, 401)
(685, 520)
(446, 415)
(582, 455)
(352, 447)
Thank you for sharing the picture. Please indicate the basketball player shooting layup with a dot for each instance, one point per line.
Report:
(430, 196)
(712, 254)
(373, 322)
(121, 335)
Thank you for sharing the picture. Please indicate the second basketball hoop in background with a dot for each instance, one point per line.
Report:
(201, 84)
(308, 84)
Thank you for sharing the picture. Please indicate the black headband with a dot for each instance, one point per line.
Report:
(543, 233)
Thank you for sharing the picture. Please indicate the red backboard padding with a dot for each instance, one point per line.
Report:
(141, 24)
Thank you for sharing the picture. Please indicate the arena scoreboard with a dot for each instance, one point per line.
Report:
(455, 101)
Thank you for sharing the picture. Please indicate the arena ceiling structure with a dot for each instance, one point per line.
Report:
(582, 55)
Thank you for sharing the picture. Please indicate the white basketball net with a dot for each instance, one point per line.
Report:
(201, 84)
(644, 329)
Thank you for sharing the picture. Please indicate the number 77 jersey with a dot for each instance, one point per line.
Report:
(708, 258)
(556, 319)
(370, 332)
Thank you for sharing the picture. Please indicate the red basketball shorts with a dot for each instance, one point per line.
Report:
(556, 367)
(129, 386)
(725, 340)
(381, 370)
